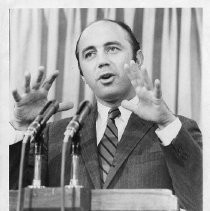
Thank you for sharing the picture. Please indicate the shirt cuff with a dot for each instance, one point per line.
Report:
(167, 134)
(15, 135)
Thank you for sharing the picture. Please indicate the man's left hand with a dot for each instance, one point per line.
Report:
(151, 106)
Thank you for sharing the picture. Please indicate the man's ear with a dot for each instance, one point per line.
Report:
(139, 58)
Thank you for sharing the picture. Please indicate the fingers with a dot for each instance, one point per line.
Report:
(141, 81)
(138, 75)
(65, 106)
(27, 82)
(16, 95)
(132, 72)
(38, 82)
(146, 78)
(130, 106)
(157, 89)
(48, 83)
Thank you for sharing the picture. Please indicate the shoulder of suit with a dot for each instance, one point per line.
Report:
(185, 120)
(188, 123)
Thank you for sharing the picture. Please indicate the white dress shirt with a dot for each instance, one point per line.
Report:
(120, 121)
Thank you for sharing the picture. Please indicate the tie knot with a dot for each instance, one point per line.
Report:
(113, 113)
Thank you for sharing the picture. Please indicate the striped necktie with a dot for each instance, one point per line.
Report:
(108, 144)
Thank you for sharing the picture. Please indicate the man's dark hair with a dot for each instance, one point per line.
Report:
(132, 39)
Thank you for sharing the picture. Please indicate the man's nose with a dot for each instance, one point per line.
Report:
(103, 65)
(103, 60)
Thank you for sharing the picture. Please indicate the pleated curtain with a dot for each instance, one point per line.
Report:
(170, 40)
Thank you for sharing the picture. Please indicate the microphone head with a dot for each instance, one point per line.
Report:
(64, 106)
(84, 105)
(83, 110)
(78, 119)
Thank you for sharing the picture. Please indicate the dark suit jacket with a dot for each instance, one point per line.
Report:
(140, 162)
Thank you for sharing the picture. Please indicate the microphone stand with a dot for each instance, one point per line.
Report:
(29, 137)
(70, 133)
(36, 184)
(35, 127)
(75, 156)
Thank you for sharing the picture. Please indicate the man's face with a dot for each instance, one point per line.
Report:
(104, 48)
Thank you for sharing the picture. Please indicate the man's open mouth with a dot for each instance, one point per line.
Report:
(106, 76)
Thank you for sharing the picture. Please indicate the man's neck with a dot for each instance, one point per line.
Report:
(109, 104)
(114, 102)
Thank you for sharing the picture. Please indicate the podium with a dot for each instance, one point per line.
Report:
(82, 199)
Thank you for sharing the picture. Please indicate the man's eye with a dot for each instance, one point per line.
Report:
(89, 55)
(113, 49)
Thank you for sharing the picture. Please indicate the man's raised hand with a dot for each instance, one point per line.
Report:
(151, 105)
(31, 101)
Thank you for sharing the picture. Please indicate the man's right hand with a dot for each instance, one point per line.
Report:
(29, 104)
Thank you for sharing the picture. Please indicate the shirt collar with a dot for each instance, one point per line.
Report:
(125, 113)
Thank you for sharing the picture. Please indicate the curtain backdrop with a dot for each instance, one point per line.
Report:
(170, 40)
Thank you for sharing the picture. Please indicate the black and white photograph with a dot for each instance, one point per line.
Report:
(106, 108)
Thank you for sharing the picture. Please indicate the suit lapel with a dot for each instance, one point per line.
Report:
(89, 151)
(135, 130)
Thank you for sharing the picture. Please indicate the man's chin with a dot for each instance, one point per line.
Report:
(113, 94)
(110, 97)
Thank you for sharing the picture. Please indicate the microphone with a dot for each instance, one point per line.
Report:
(52, 109)
(48, 110)
(71, 129)
(77, 121)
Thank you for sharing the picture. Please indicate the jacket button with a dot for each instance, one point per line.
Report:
(179, 149)
(185, 156)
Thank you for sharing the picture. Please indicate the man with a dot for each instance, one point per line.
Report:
(154, 149)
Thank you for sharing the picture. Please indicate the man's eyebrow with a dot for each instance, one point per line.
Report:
(113, 43)
(88, 48)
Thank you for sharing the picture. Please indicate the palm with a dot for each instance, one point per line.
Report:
(29, 104)
(148, 106)
(151, 106)
(27, 109)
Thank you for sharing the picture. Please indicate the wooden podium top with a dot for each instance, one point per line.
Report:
(98, 199)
